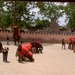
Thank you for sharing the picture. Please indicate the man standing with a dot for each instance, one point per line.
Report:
(63, 44)
(7, 38)
(19, 52)
(33, 46)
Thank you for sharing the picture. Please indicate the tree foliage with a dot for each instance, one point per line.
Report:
(19, 12)
(15, 12)
(50, 10)
(69, 10)
(42, 24)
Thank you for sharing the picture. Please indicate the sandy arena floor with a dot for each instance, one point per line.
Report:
(53, 61)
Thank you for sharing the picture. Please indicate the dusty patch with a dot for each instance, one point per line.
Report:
(53, 61)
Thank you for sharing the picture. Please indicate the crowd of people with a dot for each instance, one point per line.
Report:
(27, 50)
(24, 51)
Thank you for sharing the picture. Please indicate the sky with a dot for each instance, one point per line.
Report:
(61, 19)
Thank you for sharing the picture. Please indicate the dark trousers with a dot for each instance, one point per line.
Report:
(19, 57)
(7, 42)
(63, 46)
(34, 50)
(0, 50)
(5, 57)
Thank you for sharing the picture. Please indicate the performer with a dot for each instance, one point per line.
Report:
(19, 52)
(33, 46)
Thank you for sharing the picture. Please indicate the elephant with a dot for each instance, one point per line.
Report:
(71, 42)
(24, 53)
(38, 47)
(16, 35)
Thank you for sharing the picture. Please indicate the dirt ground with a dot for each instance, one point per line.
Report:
(53, 61)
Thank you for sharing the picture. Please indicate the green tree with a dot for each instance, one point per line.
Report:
(18, 12)
(1, 12)
(69, 10)
(50, 10)
(44, 24)
(15, 12)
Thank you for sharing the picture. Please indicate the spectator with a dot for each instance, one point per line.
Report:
(5, 53)
(63, 44)
(7, 38)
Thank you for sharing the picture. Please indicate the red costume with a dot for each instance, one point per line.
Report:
(25, 50)
(19, 33)
(39, 43)
(29, 46)
(15, 26)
